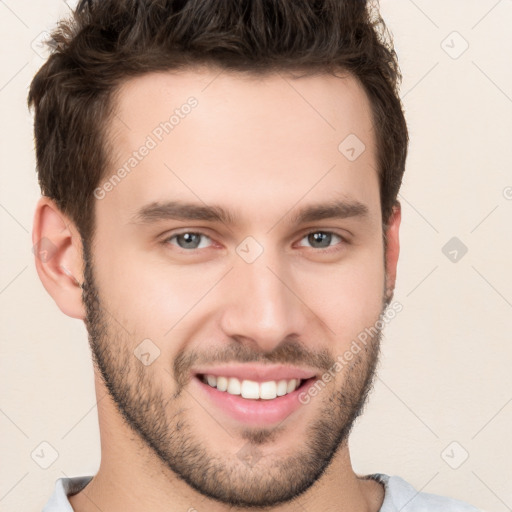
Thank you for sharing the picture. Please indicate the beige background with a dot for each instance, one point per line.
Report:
(445, 375)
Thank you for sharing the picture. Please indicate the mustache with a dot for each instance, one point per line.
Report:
(291, 352)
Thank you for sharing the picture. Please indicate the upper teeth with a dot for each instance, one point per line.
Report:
(252, 389)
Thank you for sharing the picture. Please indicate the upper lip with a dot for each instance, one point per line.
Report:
(258, 373)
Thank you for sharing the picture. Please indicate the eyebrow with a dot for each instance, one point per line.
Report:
(179, 210)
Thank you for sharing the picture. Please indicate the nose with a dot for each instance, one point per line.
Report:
(262, 307)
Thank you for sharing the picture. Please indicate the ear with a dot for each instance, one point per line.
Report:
(57, 248)
(392, 249)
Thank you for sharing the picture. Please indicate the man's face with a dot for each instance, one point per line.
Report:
(264, 297)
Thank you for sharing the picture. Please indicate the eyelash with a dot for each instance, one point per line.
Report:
(344, 241)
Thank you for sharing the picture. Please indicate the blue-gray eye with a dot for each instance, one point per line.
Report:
(321, 239)
(188, 240)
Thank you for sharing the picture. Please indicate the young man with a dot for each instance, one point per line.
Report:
(219, 188)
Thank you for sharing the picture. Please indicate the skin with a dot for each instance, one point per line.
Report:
(263, 147)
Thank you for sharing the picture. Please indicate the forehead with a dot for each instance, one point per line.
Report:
(223, 137)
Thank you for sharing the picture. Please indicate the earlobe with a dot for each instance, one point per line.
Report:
(57, 249)
(392, 249)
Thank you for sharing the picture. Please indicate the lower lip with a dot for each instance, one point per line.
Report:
(250, 411)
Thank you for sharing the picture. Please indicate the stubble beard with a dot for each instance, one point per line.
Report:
(164, 427)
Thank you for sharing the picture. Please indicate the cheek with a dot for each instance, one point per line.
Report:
(347, 296)
(148, 295)
(145, 293)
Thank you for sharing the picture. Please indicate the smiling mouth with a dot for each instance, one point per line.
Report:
(253, 390)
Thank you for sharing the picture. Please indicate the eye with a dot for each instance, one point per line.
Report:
(322, 239)
(192, 240)
(188, 240)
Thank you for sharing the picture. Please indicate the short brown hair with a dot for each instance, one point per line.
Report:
(105, 42)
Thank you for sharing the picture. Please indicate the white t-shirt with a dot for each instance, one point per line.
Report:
(400, 496)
